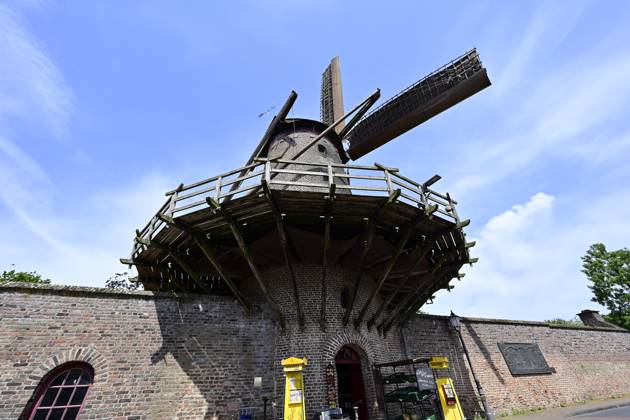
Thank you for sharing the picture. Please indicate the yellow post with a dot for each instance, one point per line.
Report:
(448, 398)
(446, 391)
(294, 389)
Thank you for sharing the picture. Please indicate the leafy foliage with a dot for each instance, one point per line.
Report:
(574, 322)
(609, 273)
(122, 281)
(22, 277)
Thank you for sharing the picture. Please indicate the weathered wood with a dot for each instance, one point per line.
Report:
(425, 248)
(393, 259)
(411, 296)
(207, 251)
(368, 236)
(284, 241)
(250, 260)
(130, 262)
(417, 305)
(175, 255)
(192, 274)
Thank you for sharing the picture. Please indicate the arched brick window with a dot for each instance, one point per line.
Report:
(62, 392)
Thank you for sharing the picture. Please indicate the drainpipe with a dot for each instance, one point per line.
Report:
(456, 324)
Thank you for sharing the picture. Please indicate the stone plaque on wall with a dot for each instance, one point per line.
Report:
(524, 359)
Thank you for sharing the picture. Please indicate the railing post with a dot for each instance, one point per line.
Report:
(331, 178)
(267, 175)
(217, 189)
(451, 208)
(424, 199)
(388, 180)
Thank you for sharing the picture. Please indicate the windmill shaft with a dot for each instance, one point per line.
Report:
(425, 99)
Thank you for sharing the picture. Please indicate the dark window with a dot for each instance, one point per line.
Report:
(61, 394)
(322, 149)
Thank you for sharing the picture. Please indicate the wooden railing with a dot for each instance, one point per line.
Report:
(377, 180)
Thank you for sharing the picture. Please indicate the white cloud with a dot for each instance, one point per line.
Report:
(529, 266)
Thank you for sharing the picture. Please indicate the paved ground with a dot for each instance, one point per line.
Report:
(618, 408)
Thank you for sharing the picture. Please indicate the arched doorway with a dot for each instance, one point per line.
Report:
(351, 391)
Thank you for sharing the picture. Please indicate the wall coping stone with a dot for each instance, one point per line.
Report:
(85, 291)
(473, 320)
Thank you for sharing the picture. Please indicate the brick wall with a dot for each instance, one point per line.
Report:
(589, 362)
(191, 356)
(154, 356)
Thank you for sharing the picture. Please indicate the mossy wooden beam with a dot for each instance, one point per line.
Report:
(402, 241)
(177, 257)
(232, 223)
(206, 249)
(284, 245)
(194, 276)
(367, 236)
(425, 248)
(411, 296)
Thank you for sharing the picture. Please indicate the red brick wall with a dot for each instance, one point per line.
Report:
(589, 362)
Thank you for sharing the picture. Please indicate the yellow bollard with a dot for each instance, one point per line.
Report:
(448, 398)
(451, 408)
(294, 388)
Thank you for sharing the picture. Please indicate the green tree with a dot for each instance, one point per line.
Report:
(22, 277)
(573, 322)
(609, 273)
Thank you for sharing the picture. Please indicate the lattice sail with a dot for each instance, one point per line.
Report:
(440, 90)
(331, 99)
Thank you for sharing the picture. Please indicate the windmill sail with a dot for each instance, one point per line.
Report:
(331, 105)
(440, 90)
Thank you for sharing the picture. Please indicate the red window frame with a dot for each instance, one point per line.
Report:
(63, 382)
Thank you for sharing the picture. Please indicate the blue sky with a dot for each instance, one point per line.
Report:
(105, 105)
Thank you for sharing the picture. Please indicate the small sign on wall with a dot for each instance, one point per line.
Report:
(524, 359)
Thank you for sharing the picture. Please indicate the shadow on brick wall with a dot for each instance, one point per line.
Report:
(210, 353)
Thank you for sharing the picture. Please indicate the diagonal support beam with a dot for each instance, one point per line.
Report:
(284, 244)
(177, 257)
(425, 248)
(248, 257)
(327, 220)
(392, 261)
(445, 277)
(188, 270)
(208, 252)
(368, 236)
(411, 297)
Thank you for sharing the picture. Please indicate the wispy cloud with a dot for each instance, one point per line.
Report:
(31, 86)
(551, 118)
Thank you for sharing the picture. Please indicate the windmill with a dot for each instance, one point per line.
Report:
(303, 233)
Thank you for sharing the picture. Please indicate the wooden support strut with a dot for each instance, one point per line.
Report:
(392, 261)
(179, 260)
(445, 275)
(284, 244)
(368, 235)
(410, 298)
(250, 261)
(417, 305)
(327, 218)
(425, 248)
(207, 251)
